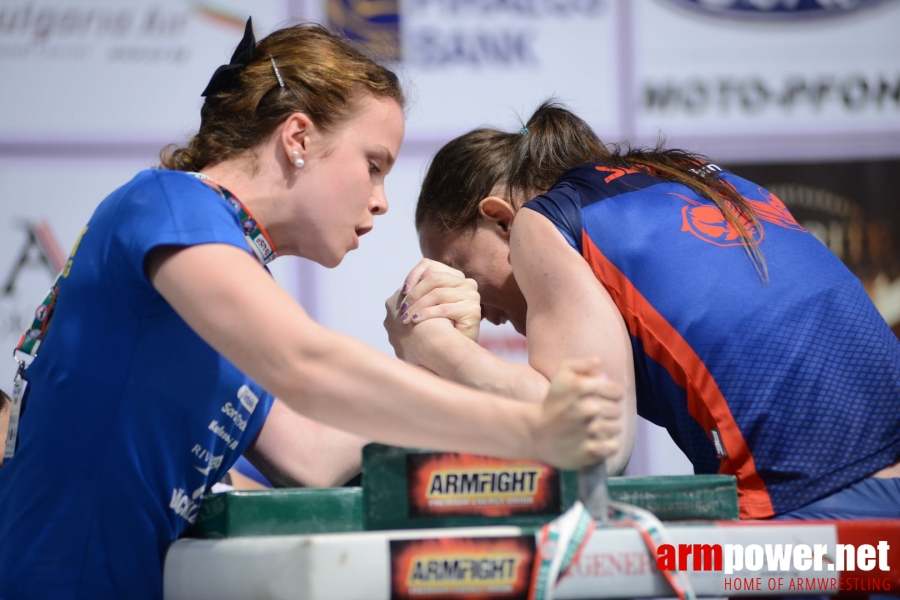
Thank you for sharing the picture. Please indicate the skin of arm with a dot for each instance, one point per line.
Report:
(570, 314)
(223, 295)
(294, 451)
(439, 291)
(241, 482)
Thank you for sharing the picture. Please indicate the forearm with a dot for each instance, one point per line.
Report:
(457, 358)
(224, 296)
(340, 382)
(294, 451)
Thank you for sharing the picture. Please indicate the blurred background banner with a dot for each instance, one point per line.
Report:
(114, 70)
(808, 72)
(802, 96)
(476, 62)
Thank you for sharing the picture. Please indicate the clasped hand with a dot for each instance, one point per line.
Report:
(434, 300)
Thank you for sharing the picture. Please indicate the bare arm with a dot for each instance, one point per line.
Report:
(457, 358)
(292, 450)
(437, 291)
(570, 314)
(223, 295)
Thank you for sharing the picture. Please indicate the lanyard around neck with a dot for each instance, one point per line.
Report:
(254, 234)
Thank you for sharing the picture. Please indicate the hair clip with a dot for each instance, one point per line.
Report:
(226, 75)
(277, 73)
(523, 131)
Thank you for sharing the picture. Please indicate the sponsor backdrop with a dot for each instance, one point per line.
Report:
(800, 95)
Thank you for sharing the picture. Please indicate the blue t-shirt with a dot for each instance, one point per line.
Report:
(792, 385)
(131, 417)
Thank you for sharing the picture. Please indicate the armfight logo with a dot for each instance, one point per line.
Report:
(450, 484)
(453, 568)
(776, 9)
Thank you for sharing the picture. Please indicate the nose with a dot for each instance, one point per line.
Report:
(378, 203)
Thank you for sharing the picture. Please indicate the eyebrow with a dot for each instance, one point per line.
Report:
(387, 154)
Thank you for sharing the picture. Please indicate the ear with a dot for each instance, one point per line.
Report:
(295, 134)
(498, 214)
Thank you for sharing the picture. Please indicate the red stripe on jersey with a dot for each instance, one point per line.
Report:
(705, 402)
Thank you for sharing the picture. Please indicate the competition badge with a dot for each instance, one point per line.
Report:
(256, 238)
(26, 351)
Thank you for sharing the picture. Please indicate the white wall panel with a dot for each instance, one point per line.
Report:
(114, 70)
(703, 76)
(475, 62)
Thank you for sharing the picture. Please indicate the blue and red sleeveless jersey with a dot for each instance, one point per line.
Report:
(792, 385)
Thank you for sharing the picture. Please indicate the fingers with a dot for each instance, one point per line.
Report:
(457, 312)
(393, 302)
(585, 377)
(598, 450)
(466, 299)
(436, 288)
(425, 265)
(587, 404)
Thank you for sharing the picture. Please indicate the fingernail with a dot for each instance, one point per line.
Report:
(403, 307)
(405, 289)
(404, 317)
(416, 317)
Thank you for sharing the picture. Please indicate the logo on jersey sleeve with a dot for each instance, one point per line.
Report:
(248, 399)
(616, 172)
(773, 210)
(709, 224)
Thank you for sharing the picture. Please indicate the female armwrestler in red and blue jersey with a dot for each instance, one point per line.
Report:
(730, 325)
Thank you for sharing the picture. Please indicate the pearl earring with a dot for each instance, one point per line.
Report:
(298, 162)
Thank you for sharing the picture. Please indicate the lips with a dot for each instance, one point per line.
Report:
(361, 231)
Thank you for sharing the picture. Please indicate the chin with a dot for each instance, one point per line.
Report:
(329, 261)
(335, 261)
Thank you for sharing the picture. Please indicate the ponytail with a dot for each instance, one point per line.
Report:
(552, 141)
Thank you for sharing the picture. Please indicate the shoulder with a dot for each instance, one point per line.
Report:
(160, 196)
(165, 185)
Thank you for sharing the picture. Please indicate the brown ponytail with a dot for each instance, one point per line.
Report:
(324, 75)
(551, 142)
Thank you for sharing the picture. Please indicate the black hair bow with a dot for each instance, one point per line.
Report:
(226, 75)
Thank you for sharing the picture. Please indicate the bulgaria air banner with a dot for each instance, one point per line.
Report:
(114, 71)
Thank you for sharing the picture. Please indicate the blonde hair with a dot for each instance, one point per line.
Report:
(324, 75)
